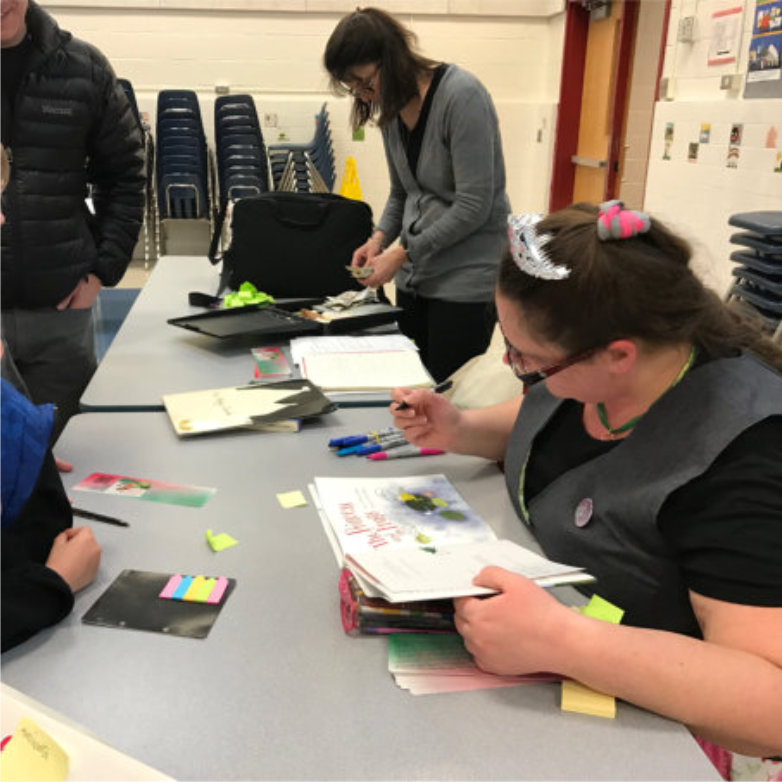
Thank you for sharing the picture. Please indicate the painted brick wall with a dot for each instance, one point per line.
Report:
(697, 197)
(276, 57)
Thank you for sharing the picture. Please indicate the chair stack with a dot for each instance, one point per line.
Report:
(182, 168)
(241, 155)
(759, 265)
(305, 168)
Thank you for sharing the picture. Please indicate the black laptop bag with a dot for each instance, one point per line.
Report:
(293, 244)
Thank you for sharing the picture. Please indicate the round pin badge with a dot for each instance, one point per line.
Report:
(583, 514)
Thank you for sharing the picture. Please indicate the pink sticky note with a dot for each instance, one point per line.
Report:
(170, 587)
(217, 593)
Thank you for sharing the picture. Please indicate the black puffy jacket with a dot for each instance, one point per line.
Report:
(71, 124)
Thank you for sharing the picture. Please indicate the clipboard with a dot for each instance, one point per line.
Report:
(260, 320)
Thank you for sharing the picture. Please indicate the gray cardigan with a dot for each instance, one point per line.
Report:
(451, 215)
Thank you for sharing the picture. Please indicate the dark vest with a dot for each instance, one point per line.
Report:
(677, 440)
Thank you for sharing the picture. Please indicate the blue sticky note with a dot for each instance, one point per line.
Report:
(184, 585)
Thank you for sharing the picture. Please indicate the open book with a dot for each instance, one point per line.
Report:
(269, 407)
(415, 538)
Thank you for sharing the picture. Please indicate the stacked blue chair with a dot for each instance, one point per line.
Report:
(758, 271)
(182, 168)
(305, 168)
(241, 154)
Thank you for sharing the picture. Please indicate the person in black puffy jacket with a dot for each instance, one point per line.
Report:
(67, 124)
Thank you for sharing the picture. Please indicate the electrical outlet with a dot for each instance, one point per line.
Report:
(270, 120)
(222, 87)
(730, 82)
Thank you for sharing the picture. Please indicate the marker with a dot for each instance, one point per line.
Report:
(401, 453)
(383, 445)
(440, 388)
(92, 516)
(360, 439)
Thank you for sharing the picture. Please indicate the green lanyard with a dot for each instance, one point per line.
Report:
(603, 416)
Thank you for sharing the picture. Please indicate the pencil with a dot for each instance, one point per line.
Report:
(440, 388)
(92, 516)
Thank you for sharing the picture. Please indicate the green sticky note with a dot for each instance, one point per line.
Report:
(220, 541)
(598, 608)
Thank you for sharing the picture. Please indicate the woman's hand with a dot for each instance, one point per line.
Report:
(83, 295)
(385, 266)
(516, 631)
(75, 555)
(372, 247)
(429, 421)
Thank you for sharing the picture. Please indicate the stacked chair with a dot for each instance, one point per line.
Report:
(183, 190)
(241, 155)
(305, 168)
(758, 271)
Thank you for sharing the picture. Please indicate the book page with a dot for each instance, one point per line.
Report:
(306, 346)
(366, 371)
(417, 573)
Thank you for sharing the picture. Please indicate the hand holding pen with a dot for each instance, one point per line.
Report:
(427, 419)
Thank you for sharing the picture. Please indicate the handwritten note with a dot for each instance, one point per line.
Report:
(32, 754)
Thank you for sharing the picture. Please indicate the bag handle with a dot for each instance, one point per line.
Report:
(214, 258)
(319, 212)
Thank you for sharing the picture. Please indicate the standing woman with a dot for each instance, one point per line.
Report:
(447, 204)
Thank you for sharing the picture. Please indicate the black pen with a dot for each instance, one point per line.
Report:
(92, 516)
(440, 388)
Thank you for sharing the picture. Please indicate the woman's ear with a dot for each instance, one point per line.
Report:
(621, 355)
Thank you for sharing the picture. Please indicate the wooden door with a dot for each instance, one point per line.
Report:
(593, 98)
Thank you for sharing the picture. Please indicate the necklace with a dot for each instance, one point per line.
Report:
(614, 431)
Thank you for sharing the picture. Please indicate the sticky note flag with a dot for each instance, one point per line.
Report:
(580, 698)
(292, 499)
(181, 590)
(219, 590)
(33, 754)
(598, 608)
(220, 541)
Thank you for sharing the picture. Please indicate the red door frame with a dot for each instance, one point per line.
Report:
(570, 92)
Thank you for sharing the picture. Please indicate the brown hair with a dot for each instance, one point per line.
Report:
(369, 35)
(641, 287)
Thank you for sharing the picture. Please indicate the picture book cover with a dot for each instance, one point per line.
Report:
(418, 511)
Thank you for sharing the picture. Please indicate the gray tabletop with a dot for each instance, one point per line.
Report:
(277, 690)
(149, 357)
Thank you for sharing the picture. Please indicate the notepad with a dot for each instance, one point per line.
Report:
(366, 371)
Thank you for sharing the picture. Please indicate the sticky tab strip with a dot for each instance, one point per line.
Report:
(170, 587)
(219, 590)
(181, 590)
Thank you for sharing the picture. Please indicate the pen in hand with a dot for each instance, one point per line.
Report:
(440, 388)
(92, 516)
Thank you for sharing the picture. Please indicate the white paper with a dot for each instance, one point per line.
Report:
(366, 371)
(303, 346)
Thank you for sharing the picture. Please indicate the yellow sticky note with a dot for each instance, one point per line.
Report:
(292, 499)
(599, 608)
(220, 541)
(203, 591)
(33, 754)
(585, 700)
(195, 588)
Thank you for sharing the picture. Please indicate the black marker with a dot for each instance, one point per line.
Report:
(440, 388)
(92, 516)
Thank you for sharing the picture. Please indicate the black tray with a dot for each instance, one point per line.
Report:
(263, 320)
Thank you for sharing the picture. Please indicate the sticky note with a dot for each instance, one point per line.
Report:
(196, 585)
(181, 590)
(219, 590)
(580, 698)
(33, 754)
(292, 499)
(170, 587)
(598, 608)
(220, 541)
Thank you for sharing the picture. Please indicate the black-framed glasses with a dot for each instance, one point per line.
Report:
(356, 86)
(529, 377)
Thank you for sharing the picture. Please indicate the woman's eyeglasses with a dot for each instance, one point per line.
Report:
(529, 377)
(357, 87)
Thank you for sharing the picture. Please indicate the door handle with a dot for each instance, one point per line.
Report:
(592, 162)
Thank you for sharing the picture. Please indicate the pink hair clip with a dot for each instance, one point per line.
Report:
(616, 222)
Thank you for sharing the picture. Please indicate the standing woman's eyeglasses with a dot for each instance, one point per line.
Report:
(357, 86)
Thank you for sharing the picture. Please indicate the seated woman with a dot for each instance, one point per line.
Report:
(648, 450)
